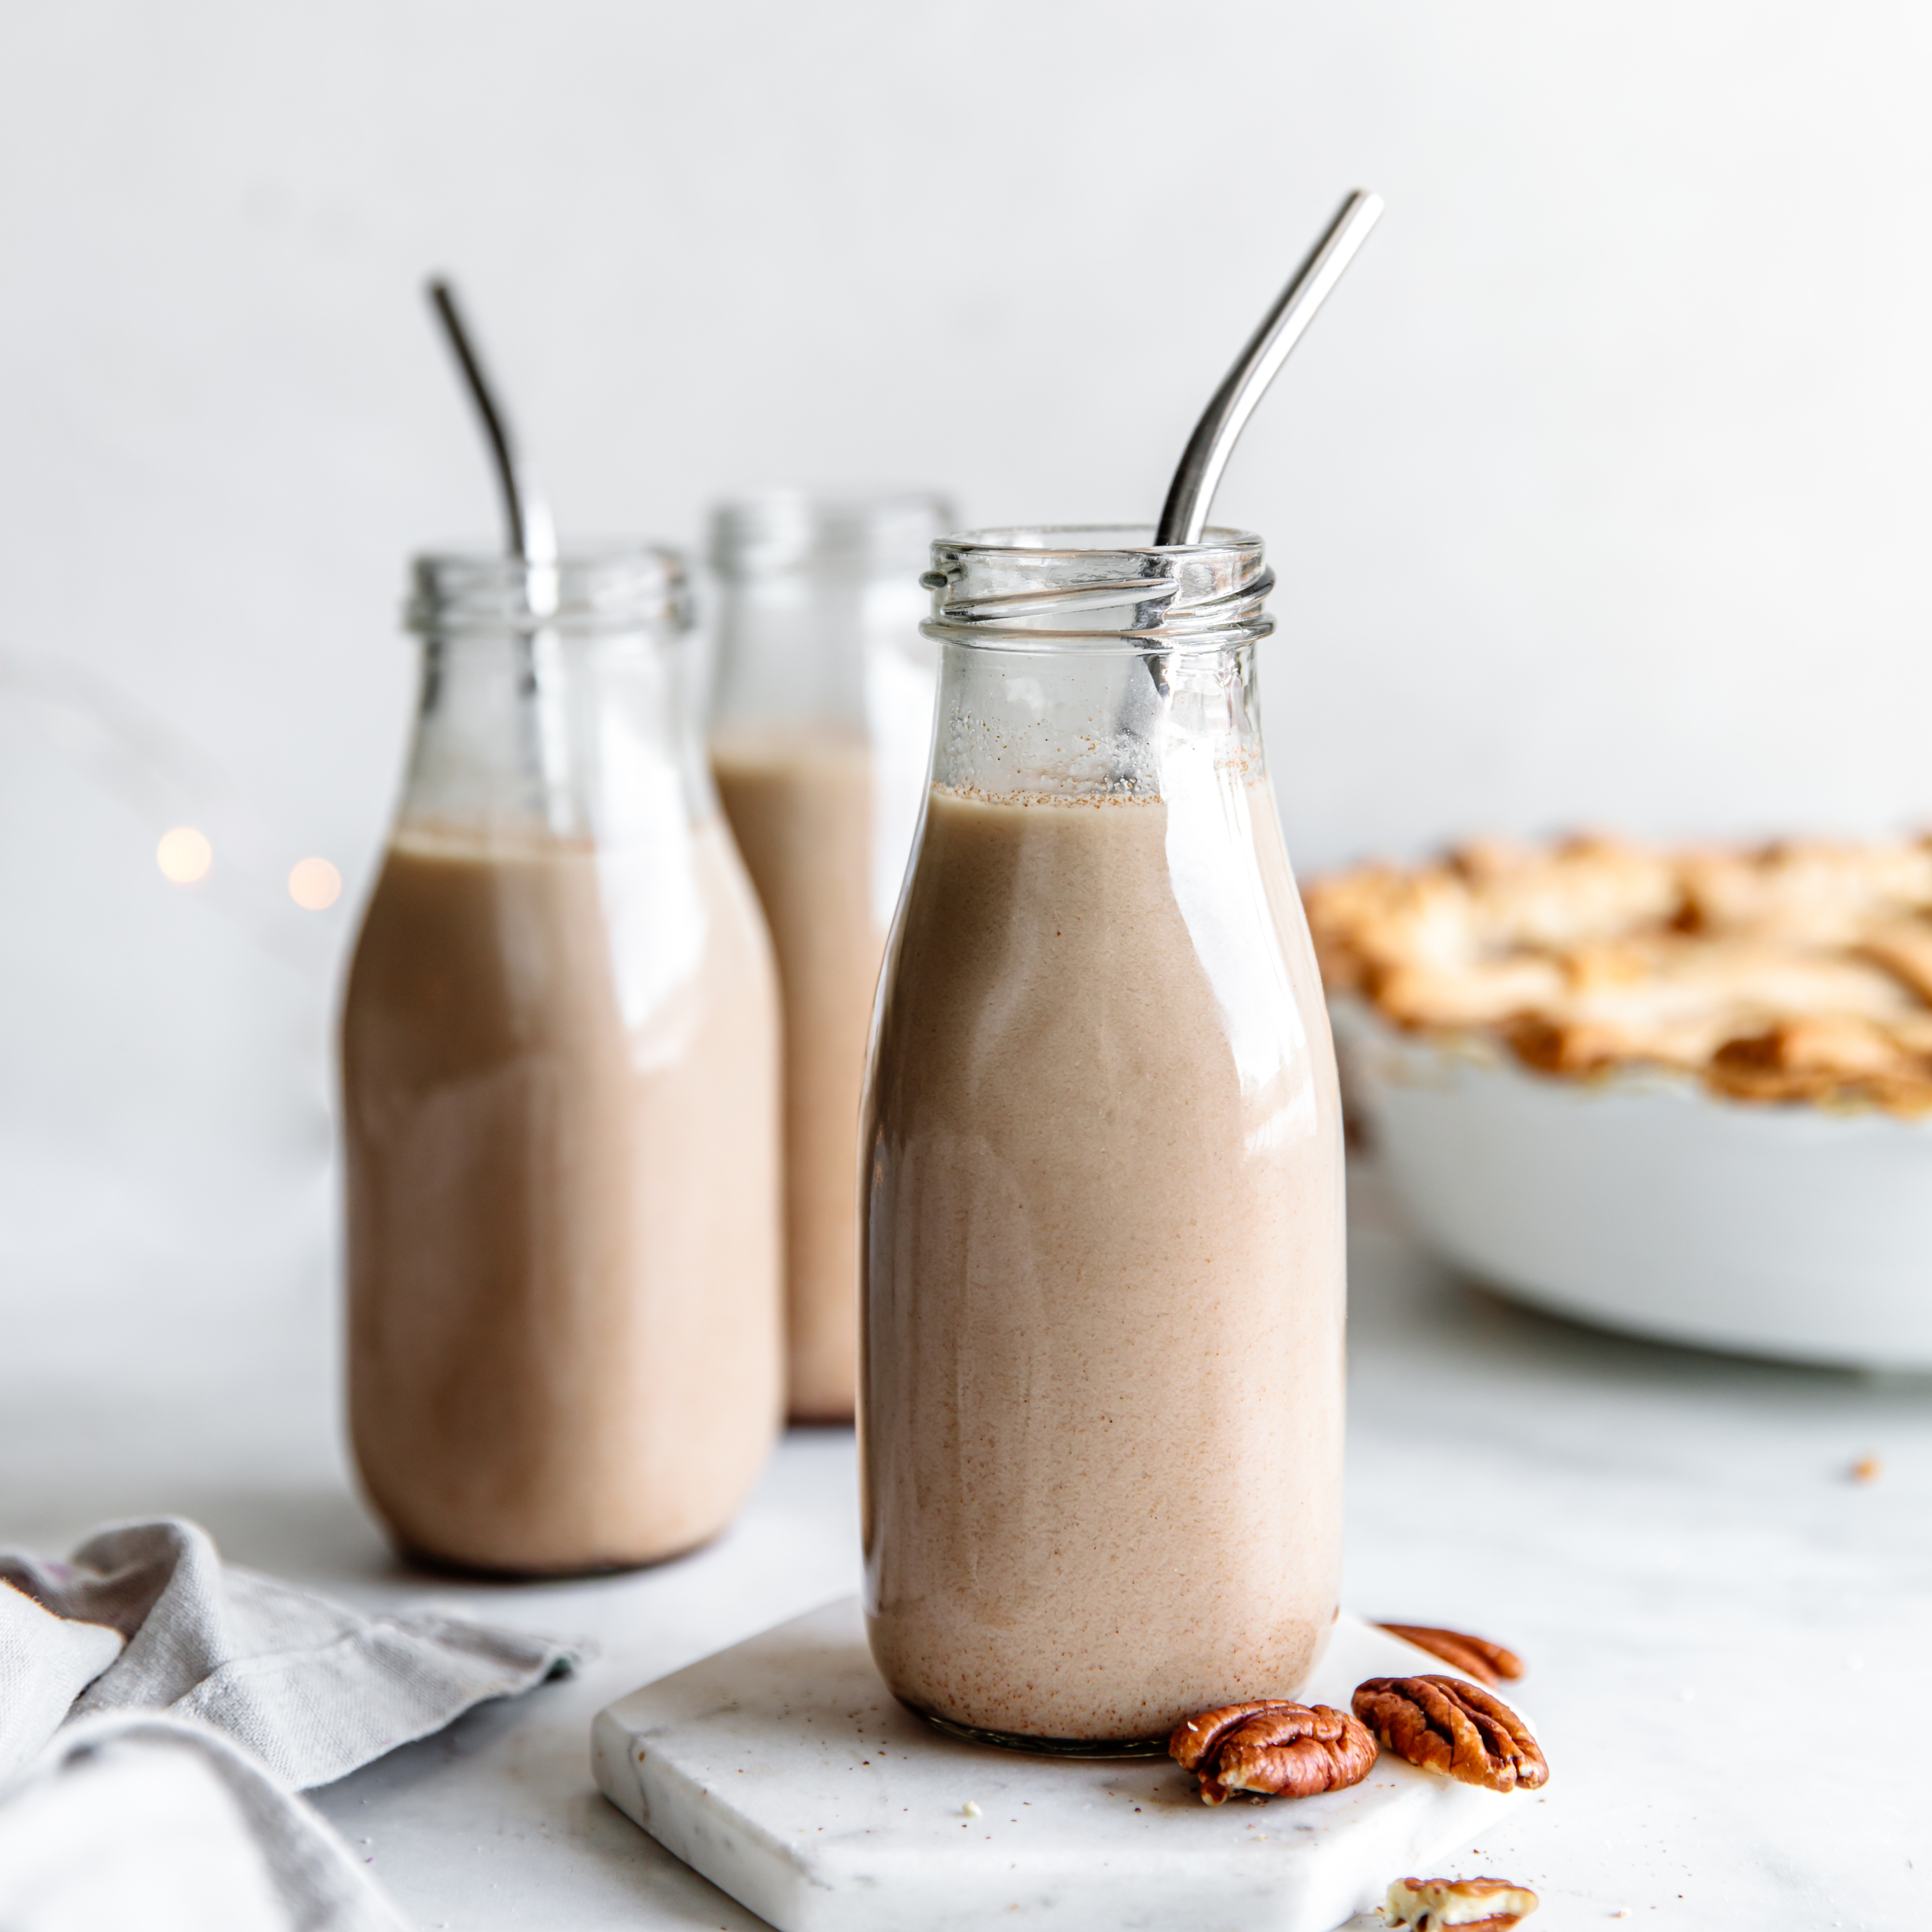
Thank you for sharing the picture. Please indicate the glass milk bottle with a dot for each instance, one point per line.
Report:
(560, 1094)
(1101, 1407)
(821, 723)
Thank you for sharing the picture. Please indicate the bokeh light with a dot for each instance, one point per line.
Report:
(184, 855)
(314, 884)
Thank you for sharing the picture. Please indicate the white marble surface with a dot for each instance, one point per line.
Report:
(1718, 1621)
(785, 1770)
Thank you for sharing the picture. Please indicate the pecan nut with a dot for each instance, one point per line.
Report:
(1475, 1657)
(1273, 1748)
(1443, 1724)
(1475, 1904)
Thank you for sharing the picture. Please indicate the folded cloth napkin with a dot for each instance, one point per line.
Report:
(130, 1820)
(166, 1707)
(46, 1663)
(146, 1616)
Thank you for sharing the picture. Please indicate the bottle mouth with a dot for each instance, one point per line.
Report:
(774, 533)
(1098, 587)
(596, 590)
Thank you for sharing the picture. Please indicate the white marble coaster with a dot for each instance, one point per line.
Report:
(785, 1771)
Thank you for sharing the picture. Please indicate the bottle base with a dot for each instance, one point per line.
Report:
(1020, 1741)
(418, 1558)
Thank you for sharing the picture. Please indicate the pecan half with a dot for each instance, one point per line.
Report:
(1475, 1656)
(1478, 1904)
(1462, 1731)
(1273, 1748)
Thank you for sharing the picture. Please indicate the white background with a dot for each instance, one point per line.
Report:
(1598, 494)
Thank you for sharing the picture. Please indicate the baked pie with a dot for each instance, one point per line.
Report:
(1800, 971)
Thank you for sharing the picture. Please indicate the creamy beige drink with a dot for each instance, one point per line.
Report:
(800, 803)
(563, 1155)
(1102, 1421)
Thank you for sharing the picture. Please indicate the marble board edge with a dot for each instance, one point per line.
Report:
(811, 1844)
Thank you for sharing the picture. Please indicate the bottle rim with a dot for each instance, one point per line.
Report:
(788, 530)
(601, 588)
(1098, 588)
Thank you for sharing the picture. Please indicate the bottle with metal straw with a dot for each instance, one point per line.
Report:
(560, 1079)
(1102, 1304)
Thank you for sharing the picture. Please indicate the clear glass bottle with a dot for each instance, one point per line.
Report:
(1101, 1401)
(821, 724)
(560, 1094)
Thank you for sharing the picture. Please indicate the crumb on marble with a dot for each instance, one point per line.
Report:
(1867, 1469)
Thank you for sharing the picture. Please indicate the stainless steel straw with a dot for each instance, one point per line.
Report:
(1191, 495)
(531, 537)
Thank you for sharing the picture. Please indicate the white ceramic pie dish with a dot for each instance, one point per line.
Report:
(1642, 1202)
